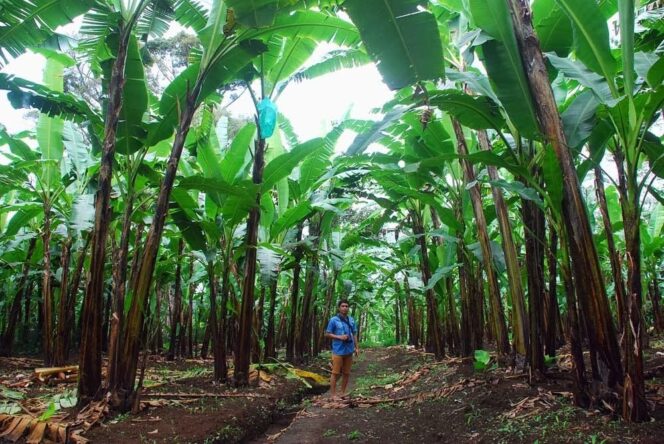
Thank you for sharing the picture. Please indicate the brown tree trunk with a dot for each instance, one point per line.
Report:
(586, 268)
(519, 324)
(176, 314)
(60, 355)
(130, 341)
(499, 326)
(580, 388)
(309, 284)
(397, 313)
(292, 326)
(435, 341)
(119, 286)
(190, 317)
(551, 307)
(73, 292)
(614, 255)
(243, 346)
(89, 381)
(413, 335)
(635, 407)
(217, 338)
(47, 291)
(533, 221)
(7, 341)
(270, 348)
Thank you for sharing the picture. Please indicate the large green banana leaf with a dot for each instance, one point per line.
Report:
(25, 23)
(591, 37)
(131, 131)
(402, 37)
(503, 63)
(552, 26)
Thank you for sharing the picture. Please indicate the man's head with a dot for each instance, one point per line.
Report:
(343, 306)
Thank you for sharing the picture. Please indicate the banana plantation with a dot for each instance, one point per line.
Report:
(502, 214)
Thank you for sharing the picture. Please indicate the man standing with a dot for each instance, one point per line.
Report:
(343, 331)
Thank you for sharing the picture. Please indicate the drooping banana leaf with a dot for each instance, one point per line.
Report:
(27, 23)
(402, 37)
(502, 59)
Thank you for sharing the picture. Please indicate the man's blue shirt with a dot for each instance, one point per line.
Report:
(338, 327)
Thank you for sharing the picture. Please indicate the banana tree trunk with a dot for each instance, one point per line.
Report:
(270, 348)
(89, 381)
(413, 332)
(397, 313)
(614, 255)
(218, 341)
(190, 317)
(435, 342)
(586, 267)
(635, 407)
(308, 296)
(130, 340)
(73, 292)
(327, 311)
(655, 298)
(533, 222)
(580, 388)
(47, 291)
(243, 346)
(292, 326)
(176, 314)
(499, 325)
(552, 314)
(519, 324)
(7, 341)
(60, 355)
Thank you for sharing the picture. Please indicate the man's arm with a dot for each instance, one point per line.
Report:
(333, 336)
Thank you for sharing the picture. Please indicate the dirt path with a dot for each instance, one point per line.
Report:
(449, 402)
(314, 423)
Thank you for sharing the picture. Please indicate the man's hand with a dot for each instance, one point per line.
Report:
(357, 351)
(342, 337)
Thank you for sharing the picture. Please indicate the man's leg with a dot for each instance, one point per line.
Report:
(347, 363)
(337, 364)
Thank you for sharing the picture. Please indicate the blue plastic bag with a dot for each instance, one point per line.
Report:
(267, 117)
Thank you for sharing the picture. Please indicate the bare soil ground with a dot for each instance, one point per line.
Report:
(398, 395)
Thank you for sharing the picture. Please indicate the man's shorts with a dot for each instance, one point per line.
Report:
(341, 364)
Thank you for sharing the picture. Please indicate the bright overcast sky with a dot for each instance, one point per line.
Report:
(312, 106)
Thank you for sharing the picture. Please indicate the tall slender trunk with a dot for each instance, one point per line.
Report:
(270, 348)
(309, 284)
(468, 310)
(499, 326)
(73, 292)
(176, 314)
(190, 317)
(257, 329)
(586, 268)
(47, 291)
(329, 303)
(413, 334)
(519, 324)
(635, 407)
(533, 222)
(130, 341)
(59, 356)
(551, 308)
(217, 339)
(397, 313)
(89, 382)
(435, 340)
(614, 255)
(7, 341)
(119, 286)
(243, 346)
(292, 326)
